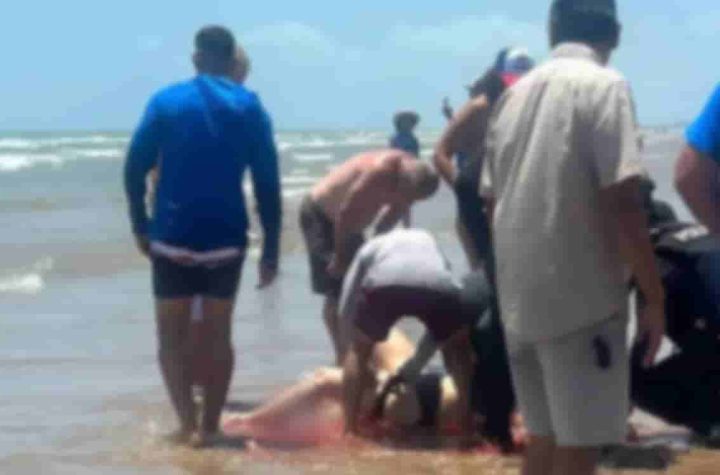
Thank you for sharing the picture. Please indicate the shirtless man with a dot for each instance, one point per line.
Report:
(379, 184)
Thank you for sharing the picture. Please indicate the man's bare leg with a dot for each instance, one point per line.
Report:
(174, 356)
(575, 461)
(330, 316)
(218, 314)
(457, 355)
(539, 456)
(356, 377)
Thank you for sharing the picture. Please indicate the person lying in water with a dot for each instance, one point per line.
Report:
(310, 412)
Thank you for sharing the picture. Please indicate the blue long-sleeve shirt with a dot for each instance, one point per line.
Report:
(203, 134)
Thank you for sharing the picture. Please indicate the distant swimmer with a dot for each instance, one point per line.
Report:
(405, 140)
(202, 134)
(382, 184)
(404, 273)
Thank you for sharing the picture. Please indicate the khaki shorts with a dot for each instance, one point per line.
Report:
(575, 388)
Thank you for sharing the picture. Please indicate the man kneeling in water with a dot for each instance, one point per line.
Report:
(403, 273)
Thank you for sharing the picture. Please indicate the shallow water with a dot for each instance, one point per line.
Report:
(81, 389)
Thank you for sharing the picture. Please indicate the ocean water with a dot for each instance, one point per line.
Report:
(81, 391)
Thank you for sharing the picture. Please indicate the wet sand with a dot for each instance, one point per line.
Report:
(82, 393)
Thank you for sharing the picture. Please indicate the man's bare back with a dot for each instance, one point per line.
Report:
(333, 190)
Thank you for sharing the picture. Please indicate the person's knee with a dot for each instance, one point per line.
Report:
(457, 349)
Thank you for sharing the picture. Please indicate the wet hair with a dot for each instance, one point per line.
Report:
(425, 180)
(216, 43)
(568, 25)
(489, 84)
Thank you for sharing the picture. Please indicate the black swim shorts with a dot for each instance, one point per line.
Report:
(380, 308)
(319, 234)
(172, 280)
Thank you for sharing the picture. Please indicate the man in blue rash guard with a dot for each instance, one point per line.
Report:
(202, 134)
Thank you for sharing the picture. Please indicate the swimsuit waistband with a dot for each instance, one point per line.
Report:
(188, 257)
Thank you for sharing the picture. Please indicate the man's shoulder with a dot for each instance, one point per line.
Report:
(174, 91)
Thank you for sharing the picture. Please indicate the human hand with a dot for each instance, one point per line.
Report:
(651, 327)
(267, 274)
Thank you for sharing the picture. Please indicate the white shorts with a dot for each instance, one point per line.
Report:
(576, 388)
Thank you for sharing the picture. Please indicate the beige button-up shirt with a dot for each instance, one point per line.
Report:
(556, 139)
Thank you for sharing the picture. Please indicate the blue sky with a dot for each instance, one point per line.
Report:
(83, 64)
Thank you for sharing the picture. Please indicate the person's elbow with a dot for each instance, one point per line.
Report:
(442, 160)
(685, 172)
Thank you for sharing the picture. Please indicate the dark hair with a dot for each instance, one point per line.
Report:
(216, 42)
(568, 25)
(489, 84)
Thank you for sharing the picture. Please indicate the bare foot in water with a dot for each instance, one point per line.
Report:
(203, 440)
(180, 437)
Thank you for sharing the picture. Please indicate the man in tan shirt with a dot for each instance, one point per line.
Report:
(563, 173)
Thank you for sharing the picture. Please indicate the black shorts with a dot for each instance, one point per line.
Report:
(471, 212)
(172, 280)
(380, 308)
(319, 234)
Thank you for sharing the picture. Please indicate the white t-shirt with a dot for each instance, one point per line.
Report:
(558, 137)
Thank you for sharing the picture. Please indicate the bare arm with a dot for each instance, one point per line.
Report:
(623, 204)
(457, 136)
(696, 179)
(263, 160)
(142, 157)
(356, 378)
(390, 217)
(361, 206)
(414, 366)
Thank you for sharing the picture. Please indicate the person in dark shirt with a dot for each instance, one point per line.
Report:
(404, 138)
(202, 135)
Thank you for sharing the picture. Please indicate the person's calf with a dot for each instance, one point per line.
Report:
(576, 460)
(174, 356)
(539, 456)
(221, 361)
(457, 355)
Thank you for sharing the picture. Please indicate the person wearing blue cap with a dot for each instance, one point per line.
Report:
(563, 177)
